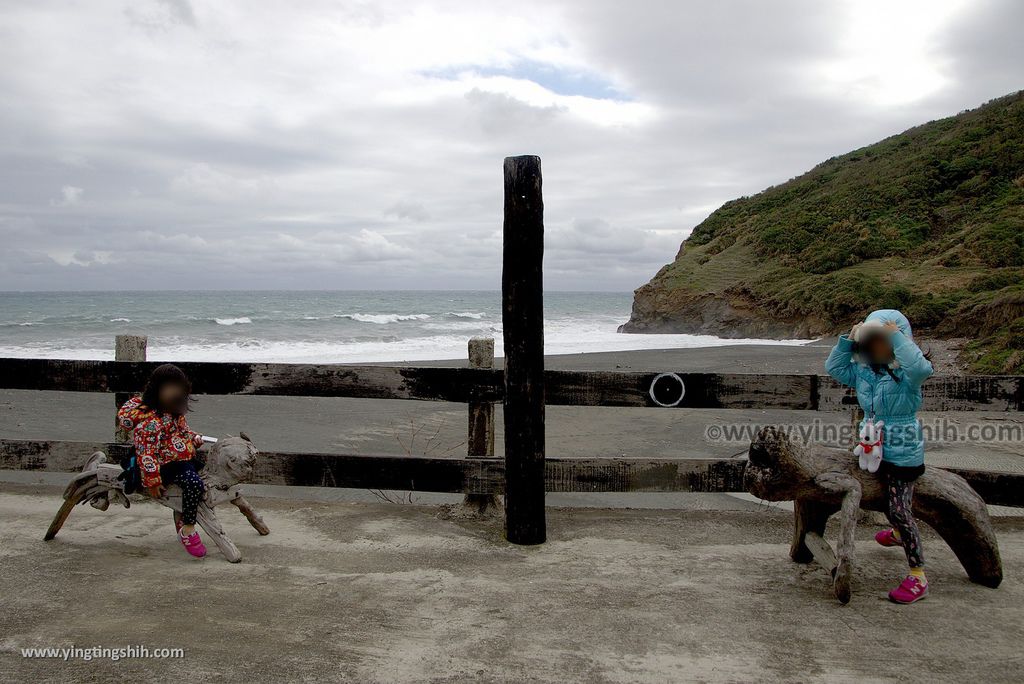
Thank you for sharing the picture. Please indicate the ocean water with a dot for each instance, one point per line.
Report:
(309, 327)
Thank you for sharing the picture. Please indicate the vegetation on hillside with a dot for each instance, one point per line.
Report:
(930, 221)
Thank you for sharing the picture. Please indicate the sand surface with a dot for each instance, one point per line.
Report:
(384, 592)
(400, 593)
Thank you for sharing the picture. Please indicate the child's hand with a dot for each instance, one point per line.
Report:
(157, 491)
(891, 326)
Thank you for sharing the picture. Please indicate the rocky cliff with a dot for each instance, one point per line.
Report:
(930, 221)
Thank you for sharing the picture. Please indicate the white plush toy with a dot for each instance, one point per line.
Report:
(869, 449)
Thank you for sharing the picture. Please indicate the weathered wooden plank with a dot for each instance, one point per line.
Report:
(413, 473)
(420, 473)
(681, 390)
(767, 391)
(281, 379)
(54, 455)
(995, 487)
(644, 475)
(480, 475)
(942, 393)
(522, 315)
(281, 468)
(579, 388)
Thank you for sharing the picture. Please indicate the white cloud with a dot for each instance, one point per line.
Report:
(412, 211)
(372, 246)
(70, 195)
(201, 181)
(889, 54)
(271, 143)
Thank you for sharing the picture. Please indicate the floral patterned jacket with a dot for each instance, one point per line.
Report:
(158, 438)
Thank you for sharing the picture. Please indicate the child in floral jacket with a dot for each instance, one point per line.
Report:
(165, 446)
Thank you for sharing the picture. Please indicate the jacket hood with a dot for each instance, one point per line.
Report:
(875, 320)
(892, 316)
(132, 412)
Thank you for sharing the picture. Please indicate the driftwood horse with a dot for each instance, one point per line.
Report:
(822, 481)
(228, 464)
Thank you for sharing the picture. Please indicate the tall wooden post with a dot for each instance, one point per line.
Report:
(522, 308)
(127, 348)
(480, 437)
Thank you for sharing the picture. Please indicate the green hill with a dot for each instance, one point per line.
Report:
(930, 221)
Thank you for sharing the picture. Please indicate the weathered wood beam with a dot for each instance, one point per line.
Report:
(994, 487)
(942, 393)
(57, 456)
(481, 475)
(419, 473)
(681, 390)
(522, 316)
(273, 379)
(579, 388)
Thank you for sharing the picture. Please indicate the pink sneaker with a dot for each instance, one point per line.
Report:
(911, 589)
(193, 544)
(887, 538)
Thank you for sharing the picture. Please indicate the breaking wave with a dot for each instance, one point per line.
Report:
(383, 319)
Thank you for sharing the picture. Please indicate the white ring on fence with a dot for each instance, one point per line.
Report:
(682, 389)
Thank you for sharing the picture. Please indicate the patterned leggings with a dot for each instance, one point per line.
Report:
(901, 493)
(183, 474)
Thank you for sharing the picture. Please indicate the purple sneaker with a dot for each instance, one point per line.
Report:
(887, 538)
(193, 544)
(911, 589)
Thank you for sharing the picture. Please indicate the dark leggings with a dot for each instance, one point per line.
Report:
(183, 474)
(901, 493)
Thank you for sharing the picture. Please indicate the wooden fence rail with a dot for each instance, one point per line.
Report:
(472, 475)
(576, 388)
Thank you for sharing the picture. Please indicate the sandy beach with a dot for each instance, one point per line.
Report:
(396, 593)
(355, 588)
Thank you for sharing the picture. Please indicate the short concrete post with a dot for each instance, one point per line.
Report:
(127, 348)
(480, 438)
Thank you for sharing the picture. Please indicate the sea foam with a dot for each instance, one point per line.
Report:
(383, 319)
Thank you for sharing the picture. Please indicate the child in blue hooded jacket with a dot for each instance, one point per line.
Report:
(880, 360)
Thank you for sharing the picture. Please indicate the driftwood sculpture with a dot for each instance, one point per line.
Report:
(822, 481)
(228, 464)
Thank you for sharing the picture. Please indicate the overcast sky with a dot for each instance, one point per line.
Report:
(168, 144)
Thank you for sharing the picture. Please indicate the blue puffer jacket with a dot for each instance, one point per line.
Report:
(893, 398)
